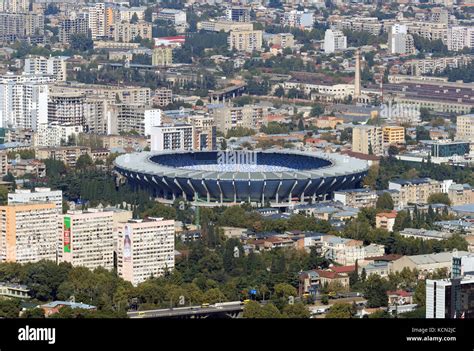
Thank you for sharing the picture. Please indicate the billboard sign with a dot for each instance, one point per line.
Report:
(67, 234)
(127, 244)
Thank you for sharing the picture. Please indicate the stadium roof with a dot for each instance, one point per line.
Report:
(340, 165)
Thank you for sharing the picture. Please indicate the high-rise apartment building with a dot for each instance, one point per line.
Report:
(453, 297)
(54, 66)
(23, 101)
(72, 26)
(24, 196)
(334, 40)
(20, 25)
(55, 134)
(400, 41)
(126, 32)
(367, 140)
(135, 118)
(162, 56)
(66, 108)
(98, 114)
(417, 191)
(15, 6)
(172, 137)
(204, 132)
(97, 21)
(460, 37)
(28, 232)
(227, 117)
(299, 19)
(393, 135)
(238, 14)
(465, 127)
(145, 248)
(87, 239)
(245, 40)
(163, 97)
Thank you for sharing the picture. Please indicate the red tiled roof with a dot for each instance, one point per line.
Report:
(400, 292)
(391, 214)
(328, 274)
(343, 269)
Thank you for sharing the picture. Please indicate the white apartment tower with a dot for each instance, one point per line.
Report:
(145, 248)
(399, 41)
(334, 40)
(460, 37)
(14, 6)
(97, 21)
(23, 101)
(53, 66)
(177, 137)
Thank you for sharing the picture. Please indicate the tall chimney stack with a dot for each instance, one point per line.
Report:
(357, 76)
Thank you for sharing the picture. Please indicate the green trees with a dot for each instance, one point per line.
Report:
(33, 313)
(419, 296)
(392, 150)
(81, 42)
(84, 162)
(341, 310)
(44, 278)
(384, 202)
(317, 110)
(279, 92)
(391, 168)
(51, 9)
(296, 310)
(375, 291)
(422, 134)
(362, 228)
(160, 210)
(240, 132)
(274, 128)
(429, 46)
(69, 313)
(3, 195)
(258, 88)
(380, 314)
(359, 38)
(232, 254)
(27, 154)
(464, 73)
(254, 310)
(9, 308)
(439, 198)
(294, 93)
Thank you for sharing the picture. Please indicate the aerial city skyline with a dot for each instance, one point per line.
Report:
(237, 159)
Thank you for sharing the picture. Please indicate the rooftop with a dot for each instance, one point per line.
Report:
(441, 257)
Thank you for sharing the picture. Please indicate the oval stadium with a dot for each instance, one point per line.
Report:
(276, 178)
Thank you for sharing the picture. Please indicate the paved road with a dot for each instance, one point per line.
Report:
(188, 311)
